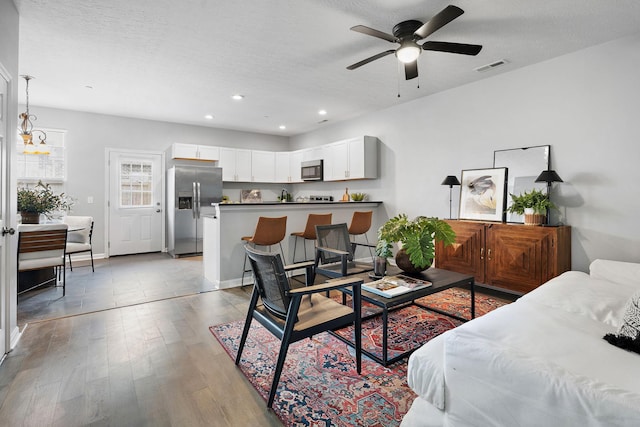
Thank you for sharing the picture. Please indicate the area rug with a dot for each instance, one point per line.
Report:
(319, 385)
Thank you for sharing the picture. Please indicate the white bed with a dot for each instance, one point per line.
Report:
(538, 361)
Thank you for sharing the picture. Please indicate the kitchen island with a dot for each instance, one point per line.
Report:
(223, 249)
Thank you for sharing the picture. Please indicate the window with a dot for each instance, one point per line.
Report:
(50, 168)
(136, 186)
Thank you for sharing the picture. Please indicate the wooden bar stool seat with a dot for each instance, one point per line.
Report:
(309, 232)
(360, 224)
(269, 231)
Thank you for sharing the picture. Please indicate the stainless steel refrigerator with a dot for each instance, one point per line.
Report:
(191, 193)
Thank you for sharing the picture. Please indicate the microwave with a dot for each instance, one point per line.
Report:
(311, 170)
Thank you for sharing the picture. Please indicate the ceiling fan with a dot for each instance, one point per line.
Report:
(409, 33)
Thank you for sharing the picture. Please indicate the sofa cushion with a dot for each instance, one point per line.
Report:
(622, 273)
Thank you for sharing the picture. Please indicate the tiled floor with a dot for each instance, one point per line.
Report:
(117, 282)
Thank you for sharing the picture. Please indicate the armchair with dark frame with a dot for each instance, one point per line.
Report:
(292, 314)
(335, 252)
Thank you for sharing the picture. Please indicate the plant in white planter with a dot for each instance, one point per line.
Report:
(532, 204)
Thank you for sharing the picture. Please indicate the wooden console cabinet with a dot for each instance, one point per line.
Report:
(514, 257)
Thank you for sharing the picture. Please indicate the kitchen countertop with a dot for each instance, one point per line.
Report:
(299, 203)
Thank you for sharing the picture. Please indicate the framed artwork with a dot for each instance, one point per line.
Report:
(483, 194)
(250, 196)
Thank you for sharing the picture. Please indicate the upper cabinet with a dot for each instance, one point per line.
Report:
(288, 166)
(355, 158)
(195, 152)
(235, 164)
(263, 166)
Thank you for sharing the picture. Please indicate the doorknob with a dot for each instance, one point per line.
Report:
(158, 210)
(6, 231)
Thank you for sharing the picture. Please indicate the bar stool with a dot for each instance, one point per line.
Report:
(309, 232)
(360, 224)
(269, 231)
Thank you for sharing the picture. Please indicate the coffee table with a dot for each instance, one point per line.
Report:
(440, 279)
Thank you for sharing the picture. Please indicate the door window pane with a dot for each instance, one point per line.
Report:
(136, 184)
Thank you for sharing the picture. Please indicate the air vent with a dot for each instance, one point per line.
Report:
(488, 67)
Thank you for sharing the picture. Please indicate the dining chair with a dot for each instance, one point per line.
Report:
(309, 232)
(42, 246)
(292, 314)
(360, 225)
(335, 252)
(79, 237)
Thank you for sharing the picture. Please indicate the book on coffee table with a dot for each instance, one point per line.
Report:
(392, 286)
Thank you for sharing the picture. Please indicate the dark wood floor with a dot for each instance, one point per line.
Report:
(149, 364)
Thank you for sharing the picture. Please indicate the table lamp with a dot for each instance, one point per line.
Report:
(450, 181)
(549, 176)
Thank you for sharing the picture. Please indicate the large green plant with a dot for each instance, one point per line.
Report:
(534, 199)
(42, 200)
(417, 237)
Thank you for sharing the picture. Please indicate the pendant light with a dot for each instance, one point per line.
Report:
(27, 130)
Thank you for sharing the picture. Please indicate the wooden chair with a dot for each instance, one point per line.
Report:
(269, 231)
(294, 314)
(42, 246)
(309, 232)
(79, 240)
(334, 252)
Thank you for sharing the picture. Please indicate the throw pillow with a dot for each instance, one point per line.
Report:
(628, 336)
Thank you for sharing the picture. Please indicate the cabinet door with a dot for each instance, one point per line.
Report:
(518, 257)
(243, 165)
(184, 151)
(263, 166)
(295, 160)
(282, 172)
(228, 163)
(467, 254)
(336, 161)
(206, 152)
(356, 167)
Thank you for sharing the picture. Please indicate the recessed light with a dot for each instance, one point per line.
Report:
(208, 117)
(322, 112)
(237, 97)
(282, 127)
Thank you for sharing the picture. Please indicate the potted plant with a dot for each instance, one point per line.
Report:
(358, 197)
(40, 200)
(383, 250)
(416, 238)
(533, 205)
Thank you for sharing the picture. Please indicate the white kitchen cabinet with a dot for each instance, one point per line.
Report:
(288, 166)
(235, 164)
(195, 152)
(315, 153)
(263, 166)
(295, 159)
(355, 158)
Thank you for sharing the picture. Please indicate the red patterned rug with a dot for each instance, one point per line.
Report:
(319, 384)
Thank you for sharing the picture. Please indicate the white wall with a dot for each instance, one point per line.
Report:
(586, 105)
(88, 135)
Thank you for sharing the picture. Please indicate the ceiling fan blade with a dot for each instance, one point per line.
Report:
(462, 48)
(445, 16)
(370, 59)
(411, 70)
(375, 33)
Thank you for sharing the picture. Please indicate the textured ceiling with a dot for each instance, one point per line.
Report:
(178, 60)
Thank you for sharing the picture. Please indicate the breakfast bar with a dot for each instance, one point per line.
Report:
(223, 249)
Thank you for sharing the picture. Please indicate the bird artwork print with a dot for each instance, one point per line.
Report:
(482, 192)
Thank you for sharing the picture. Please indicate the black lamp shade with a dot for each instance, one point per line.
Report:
(451, 181)
(549, 176)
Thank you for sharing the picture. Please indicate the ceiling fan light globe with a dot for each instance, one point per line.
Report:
(407, 54)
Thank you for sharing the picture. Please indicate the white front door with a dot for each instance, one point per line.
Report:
(135, 204)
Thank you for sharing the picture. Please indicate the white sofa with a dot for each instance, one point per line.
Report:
(540, 361)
